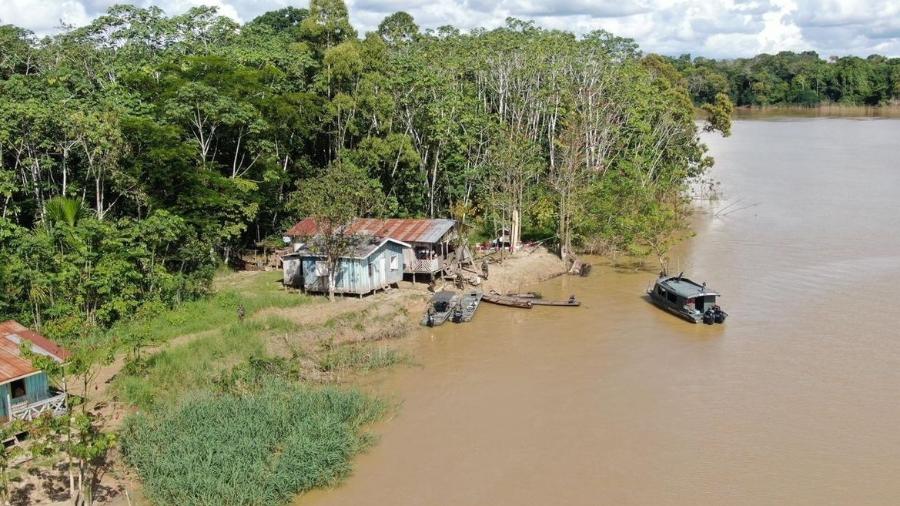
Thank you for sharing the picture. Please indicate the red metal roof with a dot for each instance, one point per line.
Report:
(420, 230)
(304, 227)
(12, 364)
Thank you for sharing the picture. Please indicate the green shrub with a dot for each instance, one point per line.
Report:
(262, 448)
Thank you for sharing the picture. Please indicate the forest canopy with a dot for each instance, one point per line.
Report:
(139, 152)
(788, 78)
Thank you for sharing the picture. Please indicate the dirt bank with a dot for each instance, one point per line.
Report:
(518, 272)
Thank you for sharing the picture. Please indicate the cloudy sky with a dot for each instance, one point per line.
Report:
(717, 28)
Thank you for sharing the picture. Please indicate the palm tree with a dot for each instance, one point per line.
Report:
(63, 210)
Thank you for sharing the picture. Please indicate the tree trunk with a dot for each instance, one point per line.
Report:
(514, 232)
(332, 277)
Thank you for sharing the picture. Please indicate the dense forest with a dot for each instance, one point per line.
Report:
(789, 78)
(141, 151)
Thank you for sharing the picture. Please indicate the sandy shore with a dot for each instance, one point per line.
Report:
(518, 272)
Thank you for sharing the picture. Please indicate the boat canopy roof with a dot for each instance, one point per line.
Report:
(685, 287)
(444, 296)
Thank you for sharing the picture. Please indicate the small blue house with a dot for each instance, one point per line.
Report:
(26, 392)
(374, 264)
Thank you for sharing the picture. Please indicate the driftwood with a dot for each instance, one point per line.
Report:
(580, 268)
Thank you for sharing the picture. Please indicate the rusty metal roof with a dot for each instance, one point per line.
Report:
(304, 227)
(420, 230)
(12, 364)
(359, 252)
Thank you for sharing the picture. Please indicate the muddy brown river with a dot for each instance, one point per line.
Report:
(795, 400)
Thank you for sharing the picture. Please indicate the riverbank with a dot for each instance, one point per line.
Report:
(191, 350)
(823, 110)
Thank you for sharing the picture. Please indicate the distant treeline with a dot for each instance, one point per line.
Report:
(789, 78)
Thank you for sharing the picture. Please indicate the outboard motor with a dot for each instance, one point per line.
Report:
(719, 314)
(709, 317)
(457, 313)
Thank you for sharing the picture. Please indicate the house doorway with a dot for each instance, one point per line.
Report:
(17, 391)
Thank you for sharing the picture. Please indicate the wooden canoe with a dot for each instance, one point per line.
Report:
(561, 303)
(525, 295)
(505, 300)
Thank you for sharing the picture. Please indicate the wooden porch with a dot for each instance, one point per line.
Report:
(56, 404)
(423, 266)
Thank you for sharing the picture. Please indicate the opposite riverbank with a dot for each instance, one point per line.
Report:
(823, 110)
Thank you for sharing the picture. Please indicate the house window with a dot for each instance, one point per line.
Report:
(17, 389)
(395, 262)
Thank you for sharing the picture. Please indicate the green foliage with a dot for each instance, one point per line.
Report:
(255, 449)
(184, 139)
(718, 115)
(64, 210)
(789, 78)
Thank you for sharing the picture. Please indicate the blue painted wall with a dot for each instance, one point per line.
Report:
(37, 388)
(382, 268)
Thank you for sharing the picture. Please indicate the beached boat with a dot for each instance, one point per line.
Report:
(505, 300)
(570, 302)
(685, 298)
(525, 295)
(465, 310)
(440, 308)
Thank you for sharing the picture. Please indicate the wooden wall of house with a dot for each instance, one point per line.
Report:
(37, 388)
(292, 270)
(358, 275)
(4, 395)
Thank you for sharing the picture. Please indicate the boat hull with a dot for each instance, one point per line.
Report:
(556, 303)
(465, 311)
(687, 299)
(504, 300)
(663, 304)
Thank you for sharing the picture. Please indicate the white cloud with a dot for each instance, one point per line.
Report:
(42, 16)
(718, 28)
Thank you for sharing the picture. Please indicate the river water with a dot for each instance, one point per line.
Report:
(795, 400)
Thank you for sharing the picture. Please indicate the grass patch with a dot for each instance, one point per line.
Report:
(254, 293)
(261, 448)
(167, 375)
(357, 357)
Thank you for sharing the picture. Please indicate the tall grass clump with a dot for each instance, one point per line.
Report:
(357, 357)
(261, 448)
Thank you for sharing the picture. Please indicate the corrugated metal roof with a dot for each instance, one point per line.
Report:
(407, 230)
(304, 227)
(12, 364)
(360, 251)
